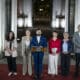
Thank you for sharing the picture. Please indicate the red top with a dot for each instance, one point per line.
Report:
(54, 44)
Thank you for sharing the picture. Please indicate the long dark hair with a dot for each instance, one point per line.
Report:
(7, 36)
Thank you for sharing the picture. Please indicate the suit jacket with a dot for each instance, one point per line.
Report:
(70, 46)
(42, 42)
(76, 41)
(7, 45)
(25, 49)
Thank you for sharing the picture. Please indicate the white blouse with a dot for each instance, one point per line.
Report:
(38, 38)
(27, 42)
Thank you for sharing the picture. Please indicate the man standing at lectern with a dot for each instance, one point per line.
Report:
(38, 47)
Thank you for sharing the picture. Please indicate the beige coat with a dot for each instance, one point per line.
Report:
(26, 54)
(14, 45)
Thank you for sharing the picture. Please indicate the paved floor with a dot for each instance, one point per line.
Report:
(45, 75)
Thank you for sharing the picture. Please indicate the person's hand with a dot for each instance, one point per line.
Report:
(13, 49)
(54, 50)
(54, 53)
(8, 50)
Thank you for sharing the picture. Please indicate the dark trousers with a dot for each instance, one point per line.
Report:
(65, 64)
(38, 63)
(12, 64)
(77, 63)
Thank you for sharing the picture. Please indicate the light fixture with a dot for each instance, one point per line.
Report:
(57, 23)
(60, 21)
(53, 23)
(63, 23)
(25, 21)
(41, 9)
(42, 0)
(47, 5)
(20, 22)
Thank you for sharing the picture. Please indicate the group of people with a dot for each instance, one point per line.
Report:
(37, 46)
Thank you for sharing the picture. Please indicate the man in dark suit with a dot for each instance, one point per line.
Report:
(38, 47)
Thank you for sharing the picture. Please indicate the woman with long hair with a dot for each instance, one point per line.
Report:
(11, 53)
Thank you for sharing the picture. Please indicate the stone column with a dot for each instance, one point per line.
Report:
(77, 14)
(14, 17)
(66, 14)
(2, 24)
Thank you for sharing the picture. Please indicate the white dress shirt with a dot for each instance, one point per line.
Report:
(65, 46)
(38, 38)
(27, 42)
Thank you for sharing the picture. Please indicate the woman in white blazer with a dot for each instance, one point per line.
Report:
(11, 53)
(26, 53)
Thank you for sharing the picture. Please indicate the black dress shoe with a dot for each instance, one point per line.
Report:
(35, 78)
(40, 78)
(76, 75)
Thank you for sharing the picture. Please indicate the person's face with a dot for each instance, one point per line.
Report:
(55, 34)
(79, 28)
(28, 33)
(10, 35)
(38, 32)
(66, 35)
